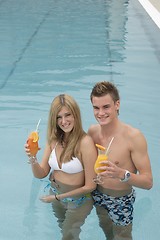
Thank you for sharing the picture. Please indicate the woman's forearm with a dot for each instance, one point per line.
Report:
(37, 170)
(79, 191)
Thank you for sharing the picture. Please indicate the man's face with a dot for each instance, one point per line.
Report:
(105, 109)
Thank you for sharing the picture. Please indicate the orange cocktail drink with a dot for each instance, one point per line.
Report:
(102, 156)
(32, 141)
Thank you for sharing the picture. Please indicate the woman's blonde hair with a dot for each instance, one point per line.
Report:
(56, 134)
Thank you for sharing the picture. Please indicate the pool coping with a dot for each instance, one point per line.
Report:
(152, 7)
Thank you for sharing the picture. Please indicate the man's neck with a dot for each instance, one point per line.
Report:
(110, 129)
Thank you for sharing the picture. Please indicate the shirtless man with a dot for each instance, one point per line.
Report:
(128, 164)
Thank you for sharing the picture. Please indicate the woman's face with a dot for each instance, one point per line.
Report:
(65, 120)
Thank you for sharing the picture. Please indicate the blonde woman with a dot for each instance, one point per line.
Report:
(69, 157)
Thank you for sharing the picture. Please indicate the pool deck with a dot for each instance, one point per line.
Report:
(152, 7)
(156, 4)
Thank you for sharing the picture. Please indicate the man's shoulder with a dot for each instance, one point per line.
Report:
(131, 131)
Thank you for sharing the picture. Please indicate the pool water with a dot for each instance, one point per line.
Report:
(51, 47)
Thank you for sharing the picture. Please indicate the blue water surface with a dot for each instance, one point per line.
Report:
(51, 47)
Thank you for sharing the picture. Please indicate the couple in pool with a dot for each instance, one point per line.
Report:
(69, 159)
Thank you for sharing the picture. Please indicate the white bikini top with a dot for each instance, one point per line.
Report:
(73, 166)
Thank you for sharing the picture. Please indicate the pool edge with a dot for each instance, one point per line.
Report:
(153, 9)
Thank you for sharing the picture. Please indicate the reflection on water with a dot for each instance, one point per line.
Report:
(50, 47)
(30, 219)
(66, 43)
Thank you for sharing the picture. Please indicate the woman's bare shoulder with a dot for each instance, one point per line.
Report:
(93, 128)
(86, 140)
(51, 146)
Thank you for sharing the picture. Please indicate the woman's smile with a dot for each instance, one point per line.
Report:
(65, 120)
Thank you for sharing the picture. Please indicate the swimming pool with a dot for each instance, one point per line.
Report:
(50, 47)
